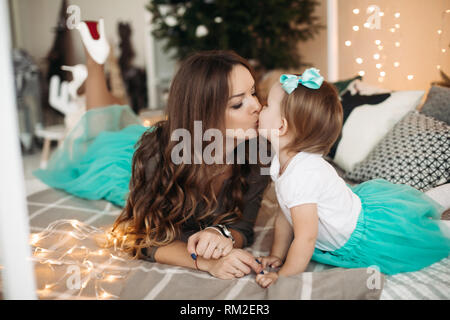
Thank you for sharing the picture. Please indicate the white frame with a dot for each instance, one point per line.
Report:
(18, 273)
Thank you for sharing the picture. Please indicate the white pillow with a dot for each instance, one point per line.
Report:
(368, 124)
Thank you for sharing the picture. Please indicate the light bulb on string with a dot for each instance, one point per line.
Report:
(410, 77)
(376, 56)
(348, 43)
(361, 73)
(359, 60)
(356, 11)
(397, 15)
(355, 28)
(396, 64)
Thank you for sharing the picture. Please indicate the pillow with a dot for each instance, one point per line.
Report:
(365, 88)
(350, 101)
(437, 104)
(368, 124)
(415, 152)
(342, 85)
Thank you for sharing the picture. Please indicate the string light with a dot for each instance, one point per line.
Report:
(377, 42)
(355, 28)
(348, 43)
(378, 65)
(396, 64)
(361, 73)
(410, 77)
(397, 15)
(397, 44)
(359, 60)
(376, 56)
(91, 272)
(382, 73)
(356, 11)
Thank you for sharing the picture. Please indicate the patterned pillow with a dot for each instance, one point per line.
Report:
(437, 104)
(415, 152)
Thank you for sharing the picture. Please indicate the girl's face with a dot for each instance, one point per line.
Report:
(243, 107)
(270, 115)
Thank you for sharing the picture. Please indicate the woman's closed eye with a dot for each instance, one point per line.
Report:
(237, 106)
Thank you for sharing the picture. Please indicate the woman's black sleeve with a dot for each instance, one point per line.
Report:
(252, 203)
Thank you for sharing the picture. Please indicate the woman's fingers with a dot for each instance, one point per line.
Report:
(209, 250)
(192, 243)
(226, 251)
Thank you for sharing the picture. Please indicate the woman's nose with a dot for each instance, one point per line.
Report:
(256, 105)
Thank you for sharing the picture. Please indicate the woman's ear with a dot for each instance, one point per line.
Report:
(283, 129)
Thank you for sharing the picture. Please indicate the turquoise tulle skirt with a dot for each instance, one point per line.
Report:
(398, 230)
(94, 162)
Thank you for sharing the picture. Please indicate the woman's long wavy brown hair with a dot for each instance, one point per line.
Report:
(161, 200)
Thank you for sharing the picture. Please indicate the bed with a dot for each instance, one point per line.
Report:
(71, 264)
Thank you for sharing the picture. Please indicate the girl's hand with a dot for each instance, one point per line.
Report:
(266, 279)
(209, 243)
(271, 261)
(236, 264)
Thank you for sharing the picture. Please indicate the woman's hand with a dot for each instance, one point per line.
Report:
(266, 279)
(271, 261)
(209, 243)
(236, 264)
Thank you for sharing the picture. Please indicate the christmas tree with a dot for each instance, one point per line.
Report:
(265, 32)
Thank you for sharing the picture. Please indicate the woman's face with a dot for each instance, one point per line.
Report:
(242, 111)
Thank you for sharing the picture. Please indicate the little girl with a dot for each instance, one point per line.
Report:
(377, 223)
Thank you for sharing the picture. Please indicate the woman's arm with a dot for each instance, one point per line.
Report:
(305, 224)
(236, 264)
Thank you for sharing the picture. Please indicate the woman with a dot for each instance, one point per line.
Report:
(170, 206)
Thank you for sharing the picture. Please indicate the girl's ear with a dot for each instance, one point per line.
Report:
(283, 129)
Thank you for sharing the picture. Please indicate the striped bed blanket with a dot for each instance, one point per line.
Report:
(71, 263)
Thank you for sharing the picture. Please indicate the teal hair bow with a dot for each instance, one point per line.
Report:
(310, 79)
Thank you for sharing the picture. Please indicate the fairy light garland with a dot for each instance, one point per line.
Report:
(79, 256)
(442, 51)
(372, 21)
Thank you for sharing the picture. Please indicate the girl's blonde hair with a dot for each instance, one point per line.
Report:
(314, 118)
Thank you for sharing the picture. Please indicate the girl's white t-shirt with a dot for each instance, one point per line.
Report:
(308, 178)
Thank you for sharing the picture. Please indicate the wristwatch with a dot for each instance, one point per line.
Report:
(223, 230)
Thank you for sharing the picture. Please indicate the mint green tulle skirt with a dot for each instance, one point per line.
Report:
(398, 230)
(94, 161)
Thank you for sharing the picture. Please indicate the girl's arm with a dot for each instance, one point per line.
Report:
(283, 234)
(305, 224)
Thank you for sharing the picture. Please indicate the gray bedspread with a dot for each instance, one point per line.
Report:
(70, 264)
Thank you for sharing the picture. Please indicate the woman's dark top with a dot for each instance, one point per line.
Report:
(251, 201)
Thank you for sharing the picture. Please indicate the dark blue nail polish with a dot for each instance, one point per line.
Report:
(257, 261)
(262, 272)
(193, 256)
